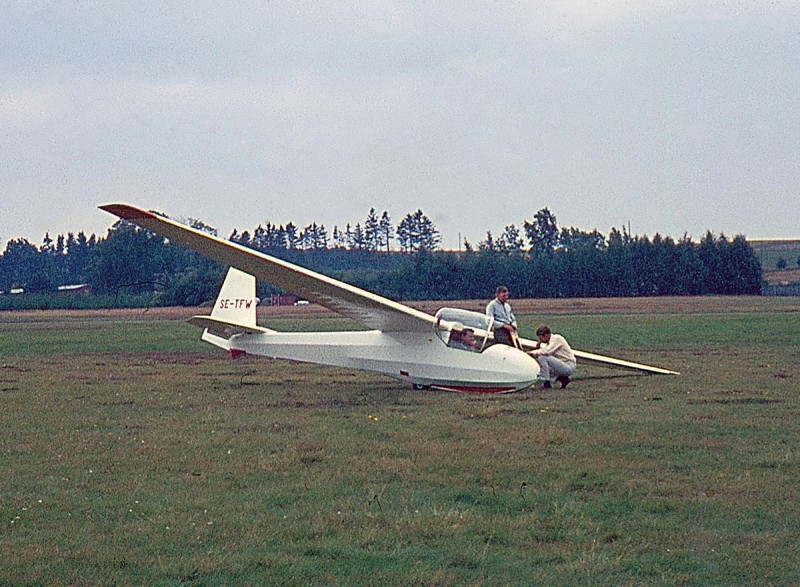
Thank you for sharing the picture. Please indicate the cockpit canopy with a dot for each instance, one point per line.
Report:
(463, 329)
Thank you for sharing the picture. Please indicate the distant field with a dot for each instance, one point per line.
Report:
(132, 453)
(770, 251)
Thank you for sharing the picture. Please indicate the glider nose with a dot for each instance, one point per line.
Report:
(529, 368)
(518, 368)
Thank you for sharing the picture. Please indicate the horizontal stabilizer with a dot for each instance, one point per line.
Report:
(224, 328)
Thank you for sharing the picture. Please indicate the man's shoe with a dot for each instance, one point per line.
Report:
(563, 380)
(547, 385)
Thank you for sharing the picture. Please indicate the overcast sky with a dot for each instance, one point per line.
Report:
(673, 117)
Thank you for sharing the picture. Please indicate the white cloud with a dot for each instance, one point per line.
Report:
(30, 106)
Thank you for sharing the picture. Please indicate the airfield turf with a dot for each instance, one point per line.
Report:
(133, 454)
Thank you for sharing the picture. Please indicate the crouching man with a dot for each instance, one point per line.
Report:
(555, 357)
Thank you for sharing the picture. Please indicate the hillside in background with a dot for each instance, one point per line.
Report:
(771, 252)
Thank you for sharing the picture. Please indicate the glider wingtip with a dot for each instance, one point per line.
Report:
(660, 371)
(126, 211)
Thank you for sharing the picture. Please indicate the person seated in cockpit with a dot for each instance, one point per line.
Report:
(505, 324)
(464, 339)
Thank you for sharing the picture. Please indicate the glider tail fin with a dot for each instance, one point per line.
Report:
(234, 312)
(236, 302)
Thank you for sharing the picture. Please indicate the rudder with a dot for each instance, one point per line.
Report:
(236, 302)
(234, 311)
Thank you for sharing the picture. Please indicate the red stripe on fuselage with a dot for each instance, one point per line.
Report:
(468, 389)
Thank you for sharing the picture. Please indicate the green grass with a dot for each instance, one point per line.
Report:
(132, 454)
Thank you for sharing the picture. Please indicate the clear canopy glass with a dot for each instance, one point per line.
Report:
(463, 329)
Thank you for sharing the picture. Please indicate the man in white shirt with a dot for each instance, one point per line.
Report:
(555, 357)
(505, 324)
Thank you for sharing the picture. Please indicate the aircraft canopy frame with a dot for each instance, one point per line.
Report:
(464, 329)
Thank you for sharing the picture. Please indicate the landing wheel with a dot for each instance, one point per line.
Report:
(420, 387)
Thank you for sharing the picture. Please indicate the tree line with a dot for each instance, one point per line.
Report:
(132, 266)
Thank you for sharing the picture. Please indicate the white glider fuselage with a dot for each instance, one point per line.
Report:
(423, 361)
(427, 354)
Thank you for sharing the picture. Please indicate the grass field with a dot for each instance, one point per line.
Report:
(132, 454)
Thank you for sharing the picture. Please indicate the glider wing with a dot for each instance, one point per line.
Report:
(608, 361)
(372, 310)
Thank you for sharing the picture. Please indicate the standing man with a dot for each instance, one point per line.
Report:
(555, 357)
(505, 324)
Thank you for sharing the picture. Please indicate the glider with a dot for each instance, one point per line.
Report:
(453, 350)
